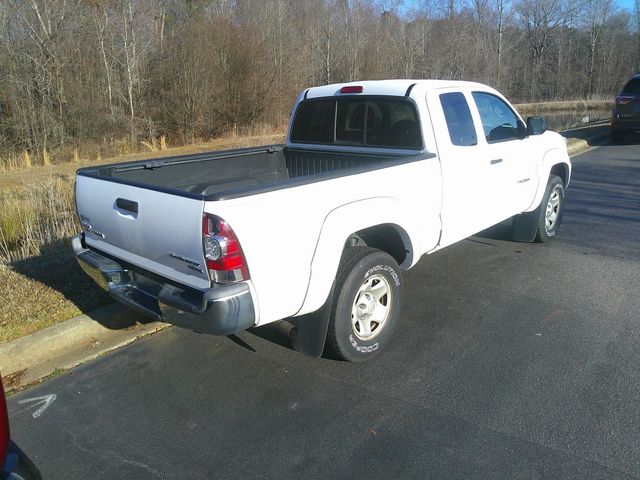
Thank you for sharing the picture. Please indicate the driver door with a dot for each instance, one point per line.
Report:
(505, 148)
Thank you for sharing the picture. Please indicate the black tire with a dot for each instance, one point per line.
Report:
(374, 271)
(549, 225)
(617, 136)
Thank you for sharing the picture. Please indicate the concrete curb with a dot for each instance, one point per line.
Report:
(70, 343)
(577, 146)
(595, 134)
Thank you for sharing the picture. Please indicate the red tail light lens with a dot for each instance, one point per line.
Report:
(4, 426)
(222, 251)
(351, 89)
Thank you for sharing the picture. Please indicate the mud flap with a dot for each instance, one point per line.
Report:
(311, 329)
(525, 225)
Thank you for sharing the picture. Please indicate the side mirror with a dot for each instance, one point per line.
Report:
(536, 125)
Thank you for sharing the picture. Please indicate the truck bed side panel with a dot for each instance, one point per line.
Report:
(279, 230)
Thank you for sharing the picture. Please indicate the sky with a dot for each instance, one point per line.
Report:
(626, 4)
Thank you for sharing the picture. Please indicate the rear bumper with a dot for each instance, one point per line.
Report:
(629, 125)
(220, 310)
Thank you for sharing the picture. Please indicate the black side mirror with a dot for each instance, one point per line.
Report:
(536, 125)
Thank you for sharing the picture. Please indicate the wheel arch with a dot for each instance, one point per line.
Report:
(388, 237)
(555, 162)
(376, 222)
(562, 171)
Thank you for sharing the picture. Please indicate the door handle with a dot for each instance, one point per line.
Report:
(127, 205)
(496, 160)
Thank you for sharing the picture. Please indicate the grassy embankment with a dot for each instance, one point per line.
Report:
(563, 106)
(40, 281)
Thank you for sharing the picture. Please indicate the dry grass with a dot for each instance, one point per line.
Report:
(123, 149)
(43, 291)
(564, 106)
(17, 176)
(40, 282)
(34, 217)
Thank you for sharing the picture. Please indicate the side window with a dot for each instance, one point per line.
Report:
(458, 116)
(632, 87)
(498, 120)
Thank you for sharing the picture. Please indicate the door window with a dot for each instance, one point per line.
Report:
(499, 122)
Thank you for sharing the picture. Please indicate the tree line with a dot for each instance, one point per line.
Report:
(77, 71)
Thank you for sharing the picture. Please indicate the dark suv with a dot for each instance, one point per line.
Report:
(626, 113)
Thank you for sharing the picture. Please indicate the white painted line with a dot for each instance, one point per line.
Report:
(46, 402)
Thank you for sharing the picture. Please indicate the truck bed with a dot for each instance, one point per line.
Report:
(235, 173)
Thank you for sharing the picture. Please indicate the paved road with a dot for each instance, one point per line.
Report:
(515, 361)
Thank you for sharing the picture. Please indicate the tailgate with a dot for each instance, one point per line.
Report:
(157, 231)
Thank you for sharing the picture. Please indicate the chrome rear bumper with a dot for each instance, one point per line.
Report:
(220, 310)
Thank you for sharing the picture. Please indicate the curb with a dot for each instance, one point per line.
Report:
(34, 357)
(578, 145)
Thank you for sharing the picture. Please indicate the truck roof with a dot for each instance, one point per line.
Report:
(388, 87)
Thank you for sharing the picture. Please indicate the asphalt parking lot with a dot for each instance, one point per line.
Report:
(513, 361)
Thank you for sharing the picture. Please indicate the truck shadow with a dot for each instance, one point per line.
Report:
(57, 269)
(270, 333)
(502, 232)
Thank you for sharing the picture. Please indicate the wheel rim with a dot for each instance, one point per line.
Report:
(371, 307)
(553, 209)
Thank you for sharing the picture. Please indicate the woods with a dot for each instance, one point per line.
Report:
(85, 73)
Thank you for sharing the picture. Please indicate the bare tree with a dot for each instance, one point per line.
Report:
(596, 15)
(539, 19)
(76, 72)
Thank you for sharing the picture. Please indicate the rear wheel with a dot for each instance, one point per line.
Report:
(552, 210)
(366, 304)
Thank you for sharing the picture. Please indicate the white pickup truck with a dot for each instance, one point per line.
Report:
(314, 234)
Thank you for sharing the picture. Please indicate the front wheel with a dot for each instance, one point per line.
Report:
(552, 210)
(366, 304)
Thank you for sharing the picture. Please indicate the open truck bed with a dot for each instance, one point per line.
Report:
(234, 173)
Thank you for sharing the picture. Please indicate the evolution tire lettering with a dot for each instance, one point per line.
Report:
(384, 268)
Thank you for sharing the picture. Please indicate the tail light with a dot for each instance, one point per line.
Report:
(222, 251)
(4, 426)
(622, 100)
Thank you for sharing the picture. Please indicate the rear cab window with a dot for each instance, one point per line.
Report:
(632, 87)
(383, 122)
